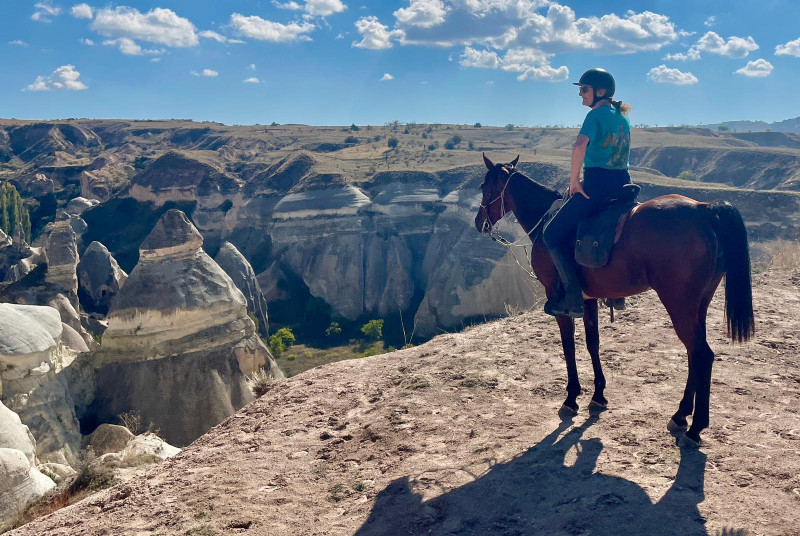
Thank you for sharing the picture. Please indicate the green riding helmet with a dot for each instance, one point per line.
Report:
(598, 79)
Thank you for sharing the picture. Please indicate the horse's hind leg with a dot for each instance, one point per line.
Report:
(567, 327)
(689, 319)
(590, 325)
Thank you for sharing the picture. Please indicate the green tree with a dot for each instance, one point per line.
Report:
(510, 126)
(373, 330)
(477, 125)
(282, 340)
(333, 330)
(686, 176)
(392, 143)
(354, 127)
(14, 217)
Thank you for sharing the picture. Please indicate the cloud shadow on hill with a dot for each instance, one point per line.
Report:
(535, 493)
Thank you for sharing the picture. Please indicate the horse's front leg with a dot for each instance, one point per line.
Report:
(590, 325)
(567, 327)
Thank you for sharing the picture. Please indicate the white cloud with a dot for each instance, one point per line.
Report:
(86, 41)
(294, 6)
(18, 42)
(422, 13)
(264, 30)
(756, 69)
(792, 48)
(209, 72)
(734, 47)
(375, 35)
(129, 47)
(156, 59)
(210, 34)
(323, 8)
(82, 11)
(252, 67)
(252, 80)
(710, 21)
(386, 76)
(691, 54)
(481, 59)
(65, 77)
(44, 11)
(161, 26)
(664, 75)
(546, 73)
(521, 59)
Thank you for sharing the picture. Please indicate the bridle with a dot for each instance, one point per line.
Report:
(500, 197)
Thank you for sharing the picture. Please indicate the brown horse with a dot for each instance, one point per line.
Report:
(677, 246)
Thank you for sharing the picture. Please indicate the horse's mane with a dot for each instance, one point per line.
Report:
(538, 186)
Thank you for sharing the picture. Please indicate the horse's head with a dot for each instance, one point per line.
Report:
(494, 204)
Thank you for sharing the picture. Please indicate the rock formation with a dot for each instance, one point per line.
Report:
(62, 259)
(240, 271)
(179, 341)
(33, 360)
(99, 278)
(20, 481)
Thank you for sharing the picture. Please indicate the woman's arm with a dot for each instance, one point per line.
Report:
(578, 153)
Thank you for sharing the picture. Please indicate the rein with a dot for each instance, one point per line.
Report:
(500, 239)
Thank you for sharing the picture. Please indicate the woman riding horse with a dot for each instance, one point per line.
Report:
(602, 147)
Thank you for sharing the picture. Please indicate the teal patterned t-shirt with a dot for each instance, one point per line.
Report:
(609, 134)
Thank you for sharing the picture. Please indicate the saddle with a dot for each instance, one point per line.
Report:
(598, 233)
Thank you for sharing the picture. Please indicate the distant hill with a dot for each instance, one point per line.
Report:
(787, 125)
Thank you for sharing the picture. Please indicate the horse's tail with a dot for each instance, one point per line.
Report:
(732, 236)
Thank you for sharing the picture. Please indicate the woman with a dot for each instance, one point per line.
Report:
(603, 146)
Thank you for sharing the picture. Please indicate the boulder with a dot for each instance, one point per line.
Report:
(20, 481)
(240, 271)
(20, 484)
(109, 438)
(99, 278)
(179, 340)
(79, 205)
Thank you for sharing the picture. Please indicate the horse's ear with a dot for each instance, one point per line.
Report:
(489, 163)
(514, 162)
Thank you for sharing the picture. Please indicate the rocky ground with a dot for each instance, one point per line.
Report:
(461, 436)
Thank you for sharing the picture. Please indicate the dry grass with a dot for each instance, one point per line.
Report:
(776, 255)
(259, 382)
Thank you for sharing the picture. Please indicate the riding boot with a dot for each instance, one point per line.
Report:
(571, 302)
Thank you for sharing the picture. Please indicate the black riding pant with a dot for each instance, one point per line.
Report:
(600, 185)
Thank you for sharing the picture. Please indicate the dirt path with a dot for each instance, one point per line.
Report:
(461, 436)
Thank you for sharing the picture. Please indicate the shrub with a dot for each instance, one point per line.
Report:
(259, 382)
(133, 422)
(452, 142)
(477, 125)
(686, 176)
(392, 142)
(276, 346)
(373, 330)
(432, 147)
(333, 329)
(510, 126)
(351, 139)
(354, 127)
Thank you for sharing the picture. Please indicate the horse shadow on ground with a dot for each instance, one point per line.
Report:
(535, 493)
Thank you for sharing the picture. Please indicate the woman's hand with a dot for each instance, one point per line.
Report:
(576, 187)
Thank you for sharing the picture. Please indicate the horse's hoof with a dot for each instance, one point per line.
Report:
(675, 428)
(596, 407)
(566, 411)
(686, 442)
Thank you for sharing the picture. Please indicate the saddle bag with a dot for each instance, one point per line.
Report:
(597, 233)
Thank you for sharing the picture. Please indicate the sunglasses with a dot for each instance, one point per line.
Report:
(585, 89)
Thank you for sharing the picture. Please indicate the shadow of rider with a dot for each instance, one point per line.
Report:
(536, 493)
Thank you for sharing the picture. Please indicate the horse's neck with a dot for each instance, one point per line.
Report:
(530, 201)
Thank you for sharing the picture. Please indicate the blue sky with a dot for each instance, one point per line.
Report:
(333, 62)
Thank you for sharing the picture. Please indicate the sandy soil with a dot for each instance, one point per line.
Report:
(461, 436)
